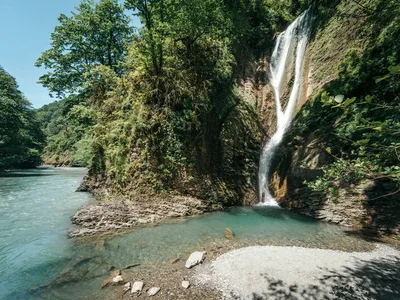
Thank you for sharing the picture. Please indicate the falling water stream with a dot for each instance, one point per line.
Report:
(290, 45)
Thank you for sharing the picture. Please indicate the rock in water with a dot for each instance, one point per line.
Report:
(185, 284)
(174, 260)
(194, 259)
(137, 287)
(229, 234)
(153, 291)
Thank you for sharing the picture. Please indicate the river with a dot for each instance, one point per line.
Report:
(37, 260)
(35, 210)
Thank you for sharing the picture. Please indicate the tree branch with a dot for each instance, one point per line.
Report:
(384, 196)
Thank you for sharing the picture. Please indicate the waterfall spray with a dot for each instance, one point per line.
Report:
(291, 42)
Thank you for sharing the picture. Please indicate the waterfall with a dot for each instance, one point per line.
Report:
(290, 45)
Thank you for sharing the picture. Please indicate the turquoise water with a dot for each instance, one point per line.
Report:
(38, 261)
(35, 210)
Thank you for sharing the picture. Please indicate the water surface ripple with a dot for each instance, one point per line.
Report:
(35, 211)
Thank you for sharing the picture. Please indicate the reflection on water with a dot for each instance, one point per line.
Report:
(54, 267)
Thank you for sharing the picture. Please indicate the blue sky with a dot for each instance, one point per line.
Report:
(25, 28)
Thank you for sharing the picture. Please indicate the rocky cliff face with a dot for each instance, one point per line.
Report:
(301, 157)
(254, 88)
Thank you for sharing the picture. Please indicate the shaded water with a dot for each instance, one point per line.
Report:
(38, 261)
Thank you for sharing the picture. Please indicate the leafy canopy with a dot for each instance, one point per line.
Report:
(96, 34)
(21, 139)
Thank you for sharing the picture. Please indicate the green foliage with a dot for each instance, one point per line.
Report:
(87, 49)
(164, 115)
(97, 33)
(167, 124)
(356, 119)
(68, 132)
(21, 140)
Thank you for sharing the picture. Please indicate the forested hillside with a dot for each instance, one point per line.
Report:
(158, 106)
(165, 107)
(67, 129)
(21, 140)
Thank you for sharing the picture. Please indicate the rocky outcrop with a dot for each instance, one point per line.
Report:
(370, 205)
(254, 88)
(356, 206)
(120, 214)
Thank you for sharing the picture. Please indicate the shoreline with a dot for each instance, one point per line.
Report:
(151, 211)
(111, 216)
(272, 272)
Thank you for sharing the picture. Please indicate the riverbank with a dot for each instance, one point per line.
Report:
(235, 270)
(107, 216)
(149, 253)
(122, 214)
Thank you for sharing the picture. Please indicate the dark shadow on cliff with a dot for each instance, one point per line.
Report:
(383, 206)
(377, 279)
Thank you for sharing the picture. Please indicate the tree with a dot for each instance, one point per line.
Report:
(96, 34)
(85, 47)
(21, 140)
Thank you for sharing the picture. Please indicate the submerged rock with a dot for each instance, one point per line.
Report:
(185, 284)
(153, 291)
(174, 260)
(194, 259)
(131, 266)
(229, 234)
(137, 287)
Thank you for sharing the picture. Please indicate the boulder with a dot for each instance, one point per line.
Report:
(185, 284)
(153, 291)
(118, 279)
(194, 259)
(137, 287)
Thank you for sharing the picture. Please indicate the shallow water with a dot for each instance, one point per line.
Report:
(38, 261)
(35, 210)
